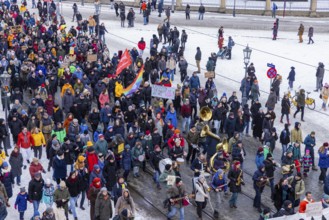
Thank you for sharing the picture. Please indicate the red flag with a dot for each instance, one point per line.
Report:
(125, 61)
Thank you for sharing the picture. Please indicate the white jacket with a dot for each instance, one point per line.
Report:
(201, 191)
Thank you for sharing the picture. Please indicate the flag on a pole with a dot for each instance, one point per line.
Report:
(125, 61)
(136, 84)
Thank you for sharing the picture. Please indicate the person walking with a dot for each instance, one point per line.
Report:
(319, 77)
(201, 11)
(291, 77)
(310, 145)
(198, 58)
(300, 33)
(202, 195)
(325, 95)
(300, 104)
(310, 35)
(75, 10)
(285, 108)
(73, 184)
(24, 143)
(103, 206)
(235, 176)
(323, 161)
(259, 180)
(125, 206)
(298, 188)
(274, 9)
(275, 31)
(35, 191)
(176, 191)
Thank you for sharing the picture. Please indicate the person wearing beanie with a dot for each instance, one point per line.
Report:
(287, 209)
(325, 201)
(192, 140)
(288, 164)
(118, 188)
(270, 166)
(175, 191)
(235, 175)
(168, 171)
(298, 185)
(285, 139)
(282, 192)
(73, 184)
(62, 198)
(97, 172)
(59, 167)
(259, 157)
(323, 161)
(155, 157)
(259, 178)
(48, 193)
(49, 214)
(21, 202)
(285, 108)
(310, 145)
(35, 190)
(103, 205)
(92, 193)
(307, 163)
(296, 133)
(126, 161)
(101, 145)
(16, 163)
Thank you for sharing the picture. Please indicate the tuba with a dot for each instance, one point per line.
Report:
(205, 115)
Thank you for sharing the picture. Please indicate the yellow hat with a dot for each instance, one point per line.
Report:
(81, 158)
(89, 143)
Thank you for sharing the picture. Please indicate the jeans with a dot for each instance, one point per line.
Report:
(145, 20)
(234, 198)
(323, 174)
(284, 149)
(83, 197)
(18, 179)
(156, 175)
(216, 125)
(186, 121)
(246, 126)
(300, 108)
(37, 150)
(173, 211)
(200, 16)
(291, 84)
(257, 199)
(102, 37)
(36, 204)
(91, 30)
(319, 82)
(216, 199)
(73, 200)
(172, 73)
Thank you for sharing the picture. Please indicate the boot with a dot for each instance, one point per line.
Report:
(216, 214)
(314, 168)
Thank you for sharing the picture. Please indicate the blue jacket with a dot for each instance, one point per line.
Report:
(126, 160)
(257, 175)
(326, 185)
(194, 82)
(172, 117)
(42, 68)
(216, 182)
(323, 159)
(230, 43)
(94, 174)
(291, 76)
(309, 141)
(259, 159)
(59, 167)
(104, 112)
(21, 202)
(83, 127)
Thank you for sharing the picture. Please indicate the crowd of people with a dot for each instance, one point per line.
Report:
(96, 138)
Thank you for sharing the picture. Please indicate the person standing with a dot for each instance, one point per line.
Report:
(319, 77)
(285, 108)
(307, 200)
(103, 206)
(16, 163)
(275, 31)
(201, 10)
(75, 10)
(176, 191)
(92, 193)
(218, 184)
(291, 77)
(298, 188)
(21, 202)
(300, 33)
(125, 206)
(325, 95)
(230, 46)
(323, 161)
(270, 166)
(24, 143)
(310, 145)
(235, 176)
(310, 35)
(141, 46)
(300, 104)
(62, 197)
(259, 180)
(73, 184)
(201, 195)
(35, 191)
(187, 12)
(198, 58)
(285, 139)
(274, 9)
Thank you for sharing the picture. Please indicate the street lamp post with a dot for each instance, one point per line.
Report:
(246, 58)
(5, 83)
(234, 8)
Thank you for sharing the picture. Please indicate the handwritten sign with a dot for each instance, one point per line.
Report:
(16, 29)
(171, 180)
(92, 57)
(210, 74)
(314, 209)
(163, 92)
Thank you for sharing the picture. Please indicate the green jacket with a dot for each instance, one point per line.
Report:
(61, 134)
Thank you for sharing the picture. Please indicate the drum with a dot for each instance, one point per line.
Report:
(180, 160)
(141, 158)
(163, 163)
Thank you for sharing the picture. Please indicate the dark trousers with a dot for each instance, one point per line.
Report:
(199, 207)
(191, 152)
(323, 174)
(83, 197)
(194, 109)
(126, 174)
(21, 215)
(310, 40)
(37, 150)
(301, 108)
(229, 54)
(257, 199)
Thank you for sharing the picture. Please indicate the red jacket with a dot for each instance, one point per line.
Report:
(171, 141)
(92, 160)
(25, 144)
(186, 111)
(141, 45)
(303, 204)
(35, 168)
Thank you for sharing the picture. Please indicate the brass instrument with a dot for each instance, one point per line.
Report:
(205, 115)
(239, 180)
(212, 161)
(223, 145)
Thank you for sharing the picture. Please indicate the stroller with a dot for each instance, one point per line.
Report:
(223, 53)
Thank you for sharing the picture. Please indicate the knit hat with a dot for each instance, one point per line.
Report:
(236, 163)
(22, 189)
(49, 210)
(5, 164)
(178, 180)
(260, 149)
(96, 166)
(127, 146)
(325, 196)
(81, 158)
(48, 181)
(62, 184)
(147, 132)
(54, 142)
(100, 136)
(307, 151)
(177, 131)
(269, 155)
(97, 182)
(89, 143)
(325, 144)
(170, 127)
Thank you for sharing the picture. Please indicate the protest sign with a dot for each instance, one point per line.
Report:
(163, 92)
(314, 209)
(92, 57)
(210, 74)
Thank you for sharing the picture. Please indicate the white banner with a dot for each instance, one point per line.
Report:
(163, 92)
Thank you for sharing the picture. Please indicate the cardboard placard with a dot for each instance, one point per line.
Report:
(163, 92)
(314, 209)
(16, 29)
(120, 148)
(210, 74)
(92, 57)
(171, 180)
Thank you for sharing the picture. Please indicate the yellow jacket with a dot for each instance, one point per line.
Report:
(296, 135)
(65, 87)
(39, 139)
(22, 8)
(10, 40)
(91, 22)
(118, 89)
(2, 156)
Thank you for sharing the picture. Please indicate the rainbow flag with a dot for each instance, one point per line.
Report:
(134, 85)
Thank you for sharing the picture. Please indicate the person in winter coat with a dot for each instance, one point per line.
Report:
(235, 175)
(282, 191)
(24, 143)
(291, 78)
(67, 101)
(275, 31)
(61, 198)
(270, 166)
(287, 209)
(93, 191)
(126, 161)
(257, 124)
(300, 103)
(300, 33)
(258, 177)
(35, 191)
(285, 108)
(103, 205)
(3, 133)
(39, 142)
(272, 99)
(229, 126)
(310, 35)
(59, 167)
(319, 77)
(101, 145)
(21, 202)
(201, 11)
(254, 91)
(7, 179)
(125, 202)
(109, 172)
(35, 167)
(201, 195)
(141, 46)
(323, 160)
(310, 145)
(48, 193)
(172, 117)
(73, 185)
(259, 157)
(97, 172)
(16, 163)
(285, 139)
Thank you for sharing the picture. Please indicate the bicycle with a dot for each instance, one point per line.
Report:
(309, 102)
(292, 99)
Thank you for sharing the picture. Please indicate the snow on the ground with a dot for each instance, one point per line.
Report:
(285, 49)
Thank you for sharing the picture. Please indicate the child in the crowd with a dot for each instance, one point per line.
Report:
(21, 202)
(307, 162)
